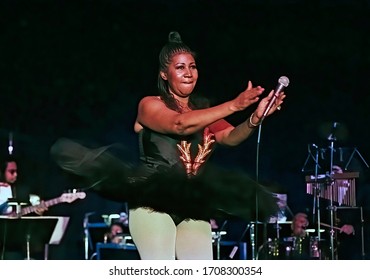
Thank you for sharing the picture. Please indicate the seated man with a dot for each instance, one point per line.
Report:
(116, 233)
(305, 246)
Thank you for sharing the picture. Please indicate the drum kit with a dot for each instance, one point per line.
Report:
(286, 247)
(337, 186)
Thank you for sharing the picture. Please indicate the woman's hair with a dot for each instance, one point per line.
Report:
(173, 47)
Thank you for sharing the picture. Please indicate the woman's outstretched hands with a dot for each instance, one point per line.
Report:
(246, 98)
(252, 95)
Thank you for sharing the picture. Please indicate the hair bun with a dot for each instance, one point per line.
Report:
(174, 37)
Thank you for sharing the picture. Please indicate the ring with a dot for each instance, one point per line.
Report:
(278, 107)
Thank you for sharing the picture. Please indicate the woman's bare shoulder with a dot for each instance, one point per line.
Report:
(152, 101)
(150, 98)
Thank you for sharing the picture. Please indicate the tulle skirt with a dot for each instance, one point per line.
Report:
(215, 193)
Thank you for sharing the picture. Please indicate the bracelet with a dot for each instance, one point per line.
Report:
(251, 124)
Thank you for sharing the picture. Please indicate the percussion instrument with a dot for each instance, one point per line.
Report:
(292, 248)
(312, 230)
(340, 187)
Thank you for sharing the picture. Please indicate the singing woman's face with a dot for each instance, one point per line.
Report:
(181, 74)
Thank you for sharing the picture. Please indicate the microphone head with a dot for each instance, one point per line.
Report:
(336, 124)
(284, 81)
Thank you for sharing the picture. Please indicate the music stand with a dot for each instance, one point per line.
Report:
(355, 151)
(30, 231)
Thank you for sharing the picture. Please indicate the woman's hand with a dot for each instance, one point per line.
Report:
(246, 98)
(265, 102)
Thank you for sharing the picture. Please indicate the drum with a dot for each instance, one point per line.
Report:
(270, 239)
(288, 248)
(315, 250)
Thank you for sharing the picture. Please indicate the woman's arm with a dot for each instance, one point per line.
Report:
(154, 114)
(232, 136)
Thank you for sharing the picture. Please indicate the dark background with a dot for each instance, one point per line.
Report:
(78, 69)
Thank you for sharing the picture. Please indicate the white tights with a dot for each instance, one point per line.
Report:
(157, 237)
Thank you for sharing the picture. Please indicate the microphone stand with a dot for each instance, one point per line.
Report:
(332, 139)
(316, 186)
(253, 228)
(253, 232)
(317, 193)
(283, 83)
(86, 234)
(218, 240)
(316, 214)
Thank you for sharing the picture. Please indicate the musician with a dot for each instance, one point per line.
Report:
(8, 177)
(306, 246)
(9, 189)
(299, 225)
(346, 242)
(115, 234)
(9, 249)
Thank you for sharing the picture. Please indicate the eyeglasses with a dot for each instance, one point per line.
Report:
(12, 171)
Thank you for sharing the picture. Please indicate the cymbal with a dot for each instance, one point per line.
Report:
(311, 230)
(222, 232)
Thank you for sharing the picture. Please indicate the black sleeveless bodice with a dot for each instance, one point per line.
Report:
(159, 152)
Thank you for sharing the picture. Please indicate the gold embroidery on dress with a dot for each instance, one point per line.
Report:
(192, 167)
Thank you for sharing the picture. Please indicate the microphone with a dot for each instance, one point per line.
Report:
(10, 146)
(314, 146)
(282, 84)
(332, 136)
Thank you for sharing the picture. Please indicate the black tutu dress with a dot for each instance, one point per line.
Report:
(159, 181)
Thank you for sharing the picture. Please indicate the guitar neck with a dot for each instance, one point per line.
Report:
(48, 203)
